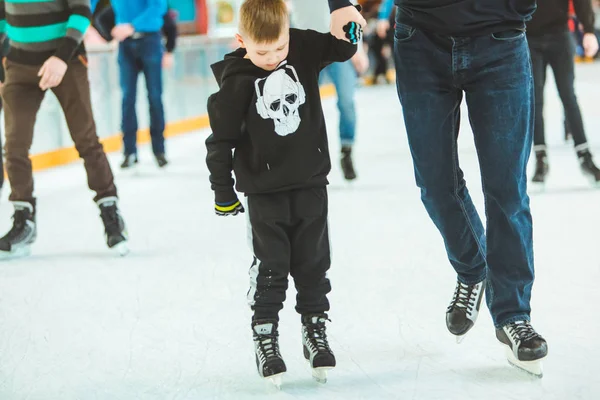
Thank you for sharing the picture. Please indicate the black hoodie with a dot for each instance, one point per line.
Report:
(552, 16)
(273, 119)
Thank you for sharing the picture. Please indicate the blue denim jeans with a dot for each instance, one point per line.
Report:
(343, 76)
(494, 74)
(135, 56)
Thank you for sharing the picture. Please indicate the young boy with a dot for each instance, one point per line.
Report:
(269, 110)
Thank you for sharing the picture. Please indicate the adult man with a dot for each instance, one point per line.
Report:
(46, 52)
(550, 43)
(138, 29)
(312, 14)
(442, 50)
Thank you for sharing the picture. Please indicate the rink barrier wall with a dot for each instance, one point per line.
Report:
(114, 143)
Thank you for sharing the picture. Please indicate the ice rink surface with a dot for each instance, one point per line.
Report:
(170, 320)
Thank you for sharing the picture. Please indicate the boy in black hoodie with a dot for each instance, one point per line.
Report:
(268, 109)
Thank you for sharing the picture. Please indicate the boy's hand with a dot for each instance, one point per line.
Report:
(231, 208)
(340, 17)
(52, 73)
(122, 31)
(353, 32)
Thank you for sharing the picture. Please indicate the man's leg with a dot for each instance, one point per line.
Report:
(431, 107)
(152, 66)
(128, 73)
(22, 99)
(501, 112)
(74, 96)
(268, 219)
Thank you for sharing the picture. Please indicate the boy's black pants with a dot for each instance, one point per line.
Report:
(289, 235)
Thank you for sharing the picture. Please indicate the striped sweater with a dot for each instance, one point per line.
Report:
(39, 29)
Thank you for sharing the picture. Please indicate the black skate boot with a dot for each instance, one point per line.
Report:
(114, 226)
(130, 160)
(525, 347)
(161, 160)
(17, 242)
(588, 167)
(269, 363)
(316, 347)
(347, 164)
(464, 309)
(541, 167)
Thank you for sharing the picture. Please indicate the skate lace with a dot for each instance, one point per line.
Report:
(464, 297)
(19, 221)
(522, 331)
(268, 345)
(317, 335)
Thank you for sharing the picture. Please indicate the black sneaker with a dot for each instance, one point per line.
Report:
(129, 161)
(161, 160)
(114, 227)
(316, 347)
(541, 167)
(588, 167)
(347, 164)
(269, 362)
(17, 242)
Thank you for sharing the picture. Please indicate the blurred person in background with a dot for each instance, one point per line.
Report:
(383, 40)
(52, 58)
(138, 27)
(3, 52)
(551, 43)
(314, 14)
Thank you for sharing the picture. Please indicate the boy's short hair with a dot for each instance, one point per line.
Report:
(263, 21)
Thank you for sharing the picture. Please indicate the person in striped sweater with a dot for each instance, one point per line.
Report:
(46, 52)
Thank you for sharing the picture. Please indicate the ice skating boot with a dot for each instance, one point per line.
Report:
(269, 362)
(347, 164)
(588, 167)
(161, 160)
(114, 226)
(316, 347)
(541, 168)
(17, 242)
(464, 309)
(129, 161)
(525, 348)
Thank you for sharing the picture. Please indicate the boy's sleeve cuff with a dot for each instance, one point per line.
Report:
(225, 197)
(336, 4)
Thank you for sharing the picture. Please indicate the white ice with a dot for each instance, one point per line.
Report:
(170, 320)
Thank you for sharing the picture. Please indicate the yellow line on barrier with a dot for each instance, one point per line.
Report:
(114, 143)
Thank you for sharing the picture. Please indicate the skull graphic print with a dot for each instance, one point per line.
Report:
(279, 97)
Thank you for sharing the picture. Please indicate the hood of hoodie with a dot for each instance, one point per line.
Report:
(235, 64)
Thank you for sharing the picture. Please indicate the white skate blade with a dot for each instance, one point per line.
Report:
(19, 252)
(275, 380)
(531, 367)
(460, 338)
(537, 187)
(320, 374)
(121, 248)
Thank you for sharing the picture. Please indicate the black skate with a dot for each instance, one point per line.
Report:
(269, 363)
(525, 347)
(588, 167)
(316, 347)
(17, 242)
(130, 160)
(464, 309)
(541, 168)
(114, 226)
(161, 160)
(347, 164)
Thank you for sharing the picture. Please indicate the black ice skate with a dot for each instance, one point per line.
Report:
(130, 160)
(17, 242)
(541, 168)
(269, 363)
(525, 347)
(588, 167)
(114, 226)
(161, 160)
(464, 309)
(347, 164)
(316, 347)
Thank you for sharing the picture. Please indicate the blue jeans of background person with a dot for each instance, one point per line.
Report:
(343, 76)
(494, 74)
(135, 56)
